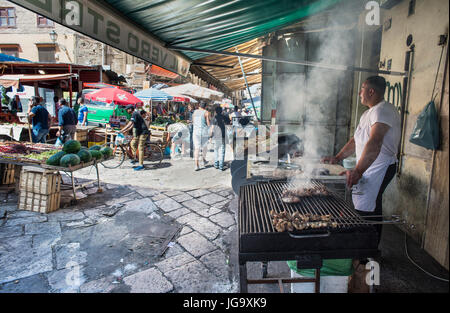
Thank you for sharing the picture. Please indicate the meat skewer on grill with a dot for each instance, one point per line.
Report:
(293, 195)
(284, 221)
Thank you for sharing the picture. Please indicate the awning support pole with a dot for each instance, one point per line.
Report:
(281, 60)
(248, 88)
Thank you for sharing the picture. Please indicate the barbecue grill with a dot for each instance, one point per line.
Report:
(353, 237)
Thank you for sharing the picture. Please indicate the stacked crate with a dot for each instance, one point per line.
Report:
(40, 190)
(7, 174)
(159, 135)
(81, 135)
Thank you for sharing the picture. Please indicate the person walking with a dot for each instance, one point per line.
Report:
(67, 123)
(218, 134)
(82, 112)
(200, 122)
(140, 135)
(40, 119)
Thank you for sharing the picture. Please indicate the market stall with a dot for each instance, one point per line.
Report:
(36, 170)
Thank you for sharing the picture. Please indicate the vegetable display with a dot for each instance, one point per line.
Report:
(69, 160)
(55, 159)
(72, 146)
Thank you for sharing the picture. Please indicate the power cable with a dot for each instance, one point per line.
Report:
(438, 278)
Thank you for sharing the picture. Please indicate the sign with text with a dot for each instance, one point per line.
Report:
(101, 23)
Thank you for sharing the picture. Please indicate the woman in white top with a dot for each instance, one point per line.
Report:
(200, 122)
(375, 143)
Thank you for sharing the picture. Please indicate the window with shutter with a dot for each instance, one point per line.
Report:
(7, 17)
(47, 54)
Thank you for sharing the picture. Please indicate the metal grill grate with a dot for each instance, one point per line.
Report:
(257, 200)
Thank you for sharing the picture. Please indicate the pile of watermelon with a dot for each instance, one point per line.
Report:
(73, 154)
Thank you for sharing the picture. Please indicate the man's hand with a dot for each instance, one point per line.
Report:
(353, 177)
(58, 133)
(329, 160)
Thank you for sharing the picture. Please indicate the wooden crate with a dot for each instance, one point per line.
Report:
(7, 174)
(35, 202)
(40, 181)
(40, 190)
(81, 135)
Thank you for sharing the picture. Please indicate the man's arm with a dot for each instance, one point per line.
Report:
(345, 152)
(85, 114)
(127, 127)
(370, 153)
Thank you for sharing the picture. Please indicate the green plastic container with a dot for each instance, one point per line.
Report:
(330, 267)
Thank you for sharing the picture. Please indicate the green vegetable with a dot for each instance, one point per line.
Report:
(85, 156)
(96, 154)
(70, 160)
(96, 147)
(106, 151)
(55, 159)
(72, 146)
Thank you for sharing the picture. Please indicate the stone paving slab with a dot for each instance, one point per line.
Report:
(28, 262)
(144, 205)
(174, 262)
(196, 244)
(26, 220)
(208, 211)
(174, 249)
(103, 285)
(168, 205)
(33, 284)
(159, 196)
(201, 280)
(69, 253)
(179, 212)
(211, 199)
(43, 228)
(182, 197)
(145, 192)
(11, 231)
(185, 230)
(67, 280)
(224, 219)
(198, 193)
(148, 281)
(222, 205)
(205, 227)
(217, 262)
(173, 193)
(195, 205)
(65, 215)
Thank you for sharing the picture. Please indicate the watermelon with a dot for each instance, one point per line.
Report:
(72, 146)
(54, 159)
(69, 160)
(96, 147)
(85, 155)
(96, 154)
(106, 151)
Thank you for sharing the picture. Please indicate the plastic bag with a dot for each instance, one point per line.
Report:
(426, 130)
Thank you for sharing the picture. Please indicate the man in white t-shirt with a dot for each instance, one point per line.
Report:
(375, 143)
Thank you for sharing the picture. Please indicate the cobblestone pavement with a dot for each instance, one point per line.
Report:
(106, 244)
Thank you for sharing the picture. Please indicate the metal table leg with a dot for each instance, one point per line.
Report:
(99, 189)
(74, 200)
(317, 282)
(243, 278)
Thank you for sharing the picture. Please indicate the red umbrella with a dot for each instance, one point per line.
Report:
(119, 96)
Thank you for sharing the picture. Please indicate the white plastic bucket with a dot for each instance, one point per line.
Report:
(328, 284)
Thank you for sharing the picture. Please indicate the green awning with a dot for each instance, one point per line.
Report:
(214, 24)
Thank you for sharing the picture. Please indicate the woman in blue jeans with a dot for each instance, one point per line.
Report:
(218, 134)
